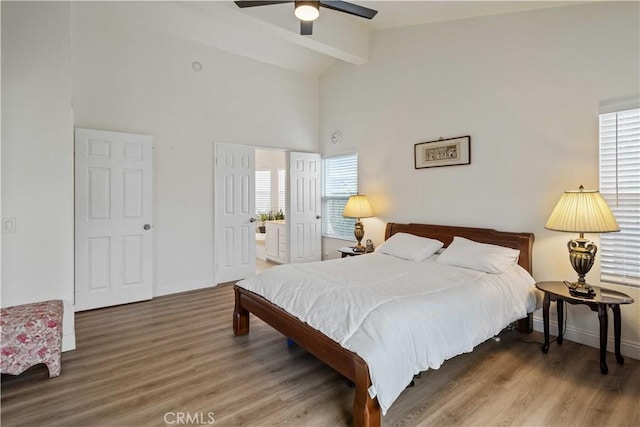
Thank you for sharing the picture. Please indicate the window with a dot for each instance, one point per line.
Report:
(620, 187)
(263, 191)
(340, 180)
(282, 185)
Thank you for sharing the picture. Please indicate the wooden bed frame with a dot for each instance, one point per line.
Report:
(366, 411)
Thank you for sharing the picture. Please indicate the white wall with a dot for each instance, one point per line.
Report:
(122, 77)
(0, 160)
(134, 79)
(526, 87)
(37, 156)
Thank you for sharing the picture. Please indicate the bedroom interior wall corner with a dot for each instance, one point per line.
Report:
(37, 156)
(1, 216)
(530, 103)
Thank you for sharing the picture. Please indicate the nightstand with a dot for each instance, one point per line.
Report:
(348, 251)
(603, 299)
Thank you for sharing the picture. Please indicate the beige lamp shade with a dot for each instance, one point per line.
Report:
(582, 211)
(357, 207)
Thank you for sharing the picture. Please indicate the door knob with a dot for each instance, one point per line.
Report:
(318, 216)
(252, 220)
(147, 227)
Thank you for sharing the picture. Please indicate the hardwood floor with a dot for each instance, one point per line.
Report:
(150, 363)
(262, 265)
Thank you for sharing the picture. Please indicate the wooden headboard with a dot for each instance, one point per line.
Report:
(445, 233)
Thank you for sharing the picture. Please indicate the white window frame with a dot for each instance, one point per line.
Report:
(334, 198)
(263, 191)
(619, 135)
(282, 190)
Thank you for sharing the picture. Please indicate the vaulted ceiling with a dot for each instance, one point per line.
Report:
(271, 33)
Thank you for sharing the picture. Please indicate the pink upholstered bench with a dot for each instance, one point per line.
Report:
(31, 334)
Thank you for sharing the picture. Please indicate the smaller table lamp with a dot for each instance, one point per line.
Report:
(582, 211)
(358, 207)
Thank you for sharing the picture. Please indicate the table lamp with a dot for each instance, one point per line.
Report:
(358, 207)
(582, 211)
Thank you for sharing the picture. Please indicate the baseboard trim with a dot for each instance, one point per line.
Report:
(69, 326)
(627, 348)
(68, 341)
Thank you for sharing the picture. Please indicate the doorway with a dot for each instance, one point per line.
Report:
(291, 234)
(271, 209)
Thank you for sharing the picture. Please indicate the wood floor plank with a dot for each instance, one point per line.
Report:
(138, 363)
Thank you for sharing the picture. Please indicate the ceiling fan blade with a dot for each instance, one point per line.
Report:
(346, 7)
(306, 28)
(258, 3)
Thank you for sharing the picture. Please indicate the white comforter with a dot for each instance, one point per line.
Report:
(402, 317)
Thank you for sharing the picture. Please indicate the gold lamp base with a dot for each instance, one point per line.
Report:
(358, 231)
(582, 254)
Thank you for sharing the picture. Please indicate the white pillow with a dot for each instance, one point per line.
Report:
(478, 256)
(409, 246)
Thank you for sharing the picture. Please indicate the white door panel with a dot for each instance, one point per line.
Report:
(235, 212)
(305, 172)
(113, 202)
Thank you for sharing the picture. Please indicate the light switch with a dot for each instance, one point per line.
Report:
(8, 225)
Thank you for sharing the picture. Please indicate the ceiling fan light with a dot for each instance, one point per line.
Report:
(307, 10)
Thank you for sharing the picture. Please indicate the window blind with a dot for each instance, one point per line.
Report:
(282, 185)
(620, 187)
(340, 180)
(263, 191)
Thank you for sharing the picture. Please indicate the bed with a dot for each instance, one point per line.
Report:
(336, 348)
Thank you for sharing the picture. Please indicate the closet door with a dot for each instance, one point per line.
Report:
(113, 218)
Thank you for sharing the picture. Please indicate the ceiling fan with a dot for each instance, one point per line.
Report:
(308, 11)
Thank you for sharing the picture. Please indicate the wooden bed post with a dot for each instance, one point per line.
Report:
(366, 411)
(240, 316)
(525, 326)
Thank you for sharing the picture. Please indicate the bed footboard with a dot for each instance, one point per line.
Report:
(366, 411)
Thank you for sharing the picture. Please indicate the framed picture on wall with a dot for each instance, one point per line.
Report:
(443, 152)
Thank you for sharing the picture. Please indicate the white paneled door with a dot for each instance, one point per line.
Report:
(303, 215)
(234, 212)
(113, 217)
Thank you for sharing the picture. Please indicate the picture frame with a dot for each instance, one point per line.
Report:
(443, 152)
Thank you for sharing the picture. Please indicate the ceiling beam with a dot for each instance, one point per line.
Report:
(334, 34)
